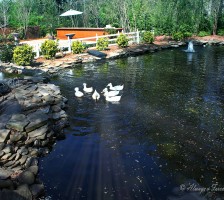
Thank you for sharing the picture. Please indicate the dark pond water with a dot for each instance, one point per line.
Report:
(167, 129)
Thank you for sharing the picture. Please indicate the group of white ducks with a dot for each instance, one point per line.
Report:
(112, 95)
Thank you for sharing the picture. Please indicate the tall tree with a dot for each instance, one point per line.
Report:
(24, 8)
(4, 17)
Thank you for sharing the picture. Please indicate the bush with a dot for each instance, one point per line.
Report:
(77, 47)
(23, 55)
(6, 53)
(110, 30)
(122, 40)
(102, 44)
(187, 34)
(49, 49)
(203, 33)
(221, 32)
(148, 37)
(178, 36)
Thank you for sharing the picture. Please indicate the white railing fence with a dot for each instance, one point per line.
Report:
(134, 37)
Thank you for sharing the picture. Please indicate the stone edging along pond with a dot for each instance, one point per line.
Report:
(52, 67)
(68, 61)
(32, 117)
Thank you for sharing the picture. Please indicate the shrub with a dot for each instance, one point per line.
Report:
(178, 36)
(102, 44)
(77, 47)
(221, 32)
(148, 37)
(6, 53)
(23, 55)
(49, 49)
(122, 40)
(203, 33)
(187, 34)
(110, 30)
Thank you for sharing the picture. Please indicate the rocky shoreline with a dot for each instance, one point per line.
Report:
(52, 67)
(32, 118)
(61, 62)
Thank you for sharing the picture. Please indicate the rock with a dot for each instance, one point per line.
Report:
(37, 119)
(2, 153)
(29, 141)
(6, 156)
(26, 177)
(56, 108)
(34, 152)
(45, 109)
(31, 162)
(23, 191)
(23, 160)
(37, 190)
(17, 156)
(4, 133)
(43, 91)
(37, 143)
(6, 194)
(65, 100)
(45, 142)
(4, 174)
(59, 115)
(34, 162)
(33, 169)
(35, 99)
(17, 122)
(16, 137)
(48, 98)
(2, 145)
(10, 163)
(6, 184)
(38, 132)
(41, 137)
(7, 149)
(4, 88)
(16, 165)
(12, 157)
(23, 151)
(50, 134)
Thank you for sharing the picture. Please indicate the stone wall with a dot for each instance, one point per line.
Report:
(32, 117)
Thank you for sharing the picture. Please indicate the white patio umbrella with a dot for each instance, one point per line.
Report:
(71, 13)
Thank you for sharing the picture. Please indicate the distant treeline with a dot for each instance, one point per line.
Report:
(163, 16)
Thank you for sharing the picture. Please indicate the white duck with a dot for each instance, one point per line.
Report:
(78, 93)
(110, 93)
(113, 99)
(88, 90)
(96, 95)
(117, 87)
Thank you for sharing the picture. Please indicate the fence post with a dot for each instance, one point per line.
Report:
(96, 38)
(137, 37)
(38, 50)
(70, 44)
